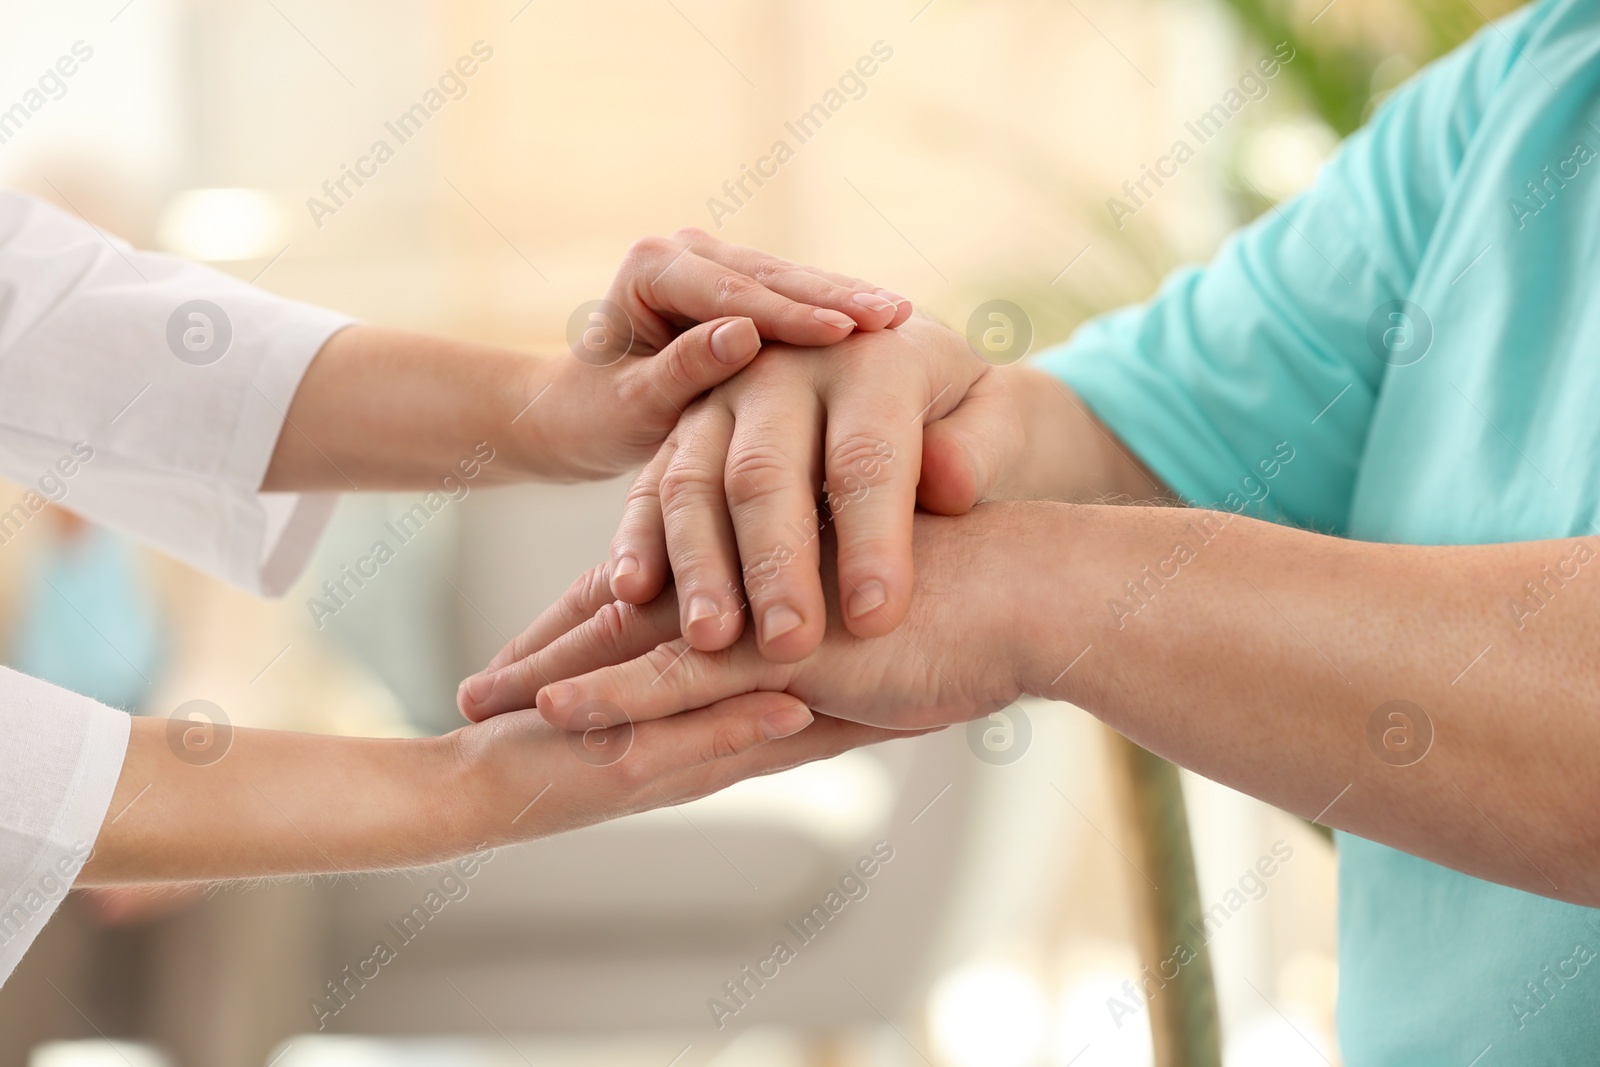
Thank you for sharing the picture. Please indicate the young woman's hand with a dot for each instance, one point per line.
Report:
(606, 766)
(382, 408)
(261, 803)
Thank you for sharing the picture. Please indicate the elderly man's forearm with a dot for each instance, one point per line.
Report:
(1071, 456)
(1436, 699)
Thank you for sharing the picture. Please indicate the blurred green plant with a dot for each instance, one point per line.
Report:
(1350, 54)
(1340, 72)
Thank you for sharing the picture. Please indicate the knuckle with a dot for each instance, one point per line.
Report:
(692, 236)
(769, 371)
(515, 649)
(664, 653)
(667, 656)
(851, 451)
(608, 627)
(757, 472)
(632, 773)
(734, 289)
(643, 495)
(524, 675)
(592, 588)
(636, 390)
(649, 249)
(724, 742)
(592, 585)
(686, 484)
(771, 268)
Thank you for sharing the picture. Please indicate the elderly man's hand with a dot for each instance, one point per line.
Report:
(729, 507)
(955, 657)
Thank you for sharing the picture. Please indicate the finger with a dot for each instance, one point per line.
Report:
(699, 533)
(639, 565)
(824, 738)
(666, 680)
(690, 288)
(722, 731)
(615, 633)
(693, 362)
(873, 457)
(966, 453)
(772, 477)
(851, 296)
(583, 598)
(903, 308)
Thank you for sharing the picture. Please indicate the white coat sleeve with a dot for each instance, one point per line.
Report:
(61, 756)
(147, 394)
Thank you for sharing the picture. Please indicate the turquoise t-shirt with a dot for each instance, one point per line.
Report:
(1420, 333)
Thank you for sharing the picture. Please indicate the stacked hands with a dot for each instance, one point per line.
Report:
(760, 605)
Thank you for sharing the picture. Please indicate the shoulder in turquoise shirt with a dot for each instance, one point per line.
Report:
(1421, 333)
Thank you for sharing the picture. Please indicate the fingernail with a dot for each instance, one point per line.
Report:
(778, 621)
(893, 297)
(557, 695)
(834, 318)
(873, 302)
(735, 342)
(479, 686)
(625, 566)
(869, 596)
(701, 607)
(786, 723)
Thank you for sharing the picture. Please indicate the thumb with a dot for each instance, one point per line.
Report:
(698, 359)
(967, 453)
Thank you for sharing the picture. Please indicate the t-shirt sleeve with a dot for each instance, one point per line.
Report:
(58, 767)
(148, 393)
(1278, 347)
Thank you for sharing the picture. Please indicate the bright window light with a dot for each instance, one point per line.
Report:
(1102, 1024)
(1272, 1040)
(96, 1053)
(1283, 159)
(223, 224)
(990, 1015)
(837, 801)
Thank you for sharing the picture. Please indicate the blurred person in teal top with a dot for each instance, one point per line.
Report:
(1406, 355)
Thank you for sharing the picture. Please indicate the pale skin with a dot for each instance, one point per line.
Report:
(1258, 662)
(281, 803)
(383, 409)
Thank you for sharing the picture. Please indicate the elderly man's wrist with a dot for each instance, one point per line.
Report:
(1049, 640)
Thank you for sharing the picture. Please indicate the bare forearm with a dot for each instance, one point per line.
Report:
(385, 409)
(279, 804)
(1267, 658)
(1070, 455)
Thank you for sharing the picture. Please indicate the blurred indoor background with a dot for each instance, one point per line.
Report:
(975, 163)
